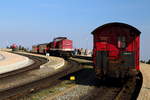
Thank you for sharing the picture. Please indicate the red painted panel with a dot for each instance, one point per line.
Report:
(67, 44)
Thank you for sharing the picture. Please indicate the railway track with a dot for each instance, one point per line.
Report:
(109, 90)
(102, 90)
(20, 91)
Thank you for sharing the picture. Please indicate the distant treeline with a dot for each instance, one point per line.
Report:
(16, 48)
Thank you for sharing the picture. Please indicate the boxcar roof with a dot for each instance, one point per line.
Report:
(116, 24)
(60, 38)
(43, 44)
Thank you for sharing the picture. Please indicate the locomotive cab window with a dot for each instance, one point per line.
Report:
(121, 42)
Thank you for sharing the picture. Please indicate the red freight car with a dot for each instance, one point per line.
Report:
(116, 50)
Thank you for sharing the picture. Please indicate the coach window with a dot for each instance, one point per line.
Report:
(121, 42)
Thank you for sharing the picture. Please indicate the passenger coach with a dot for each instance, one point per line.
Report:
(116, 50)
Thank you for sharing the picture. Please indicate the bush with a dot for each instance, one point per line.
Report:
(148, 62)
(142, 61)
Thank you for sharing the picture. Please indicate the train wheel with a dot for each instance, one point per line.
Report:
(99, 73)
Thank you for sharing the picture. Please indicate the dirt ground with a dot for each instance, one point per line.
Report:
(145, 90)
(10, 58)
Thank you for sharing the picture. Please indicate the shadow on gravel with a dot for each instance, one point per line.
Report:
(83, 57)
(87, 63)
(87, 77)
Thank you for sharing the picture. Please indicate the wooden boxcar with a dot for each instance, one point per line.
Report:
(116, 50)
(35, 49)
(43, 48)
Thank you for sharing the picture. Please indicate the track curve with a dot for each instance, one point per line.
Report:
(37, 62)
(17, 92)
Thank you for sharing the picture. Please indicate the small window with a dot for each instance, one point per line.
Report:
(121, 42)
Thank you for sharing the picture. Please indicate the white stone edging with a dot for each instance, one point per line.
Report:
(59, 64)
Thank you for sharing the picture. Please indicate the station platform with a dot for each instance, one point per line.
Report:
(10, 62)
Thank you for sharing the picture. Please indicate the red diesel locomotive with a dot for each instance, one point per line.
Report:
(60, 46)
(116, 50)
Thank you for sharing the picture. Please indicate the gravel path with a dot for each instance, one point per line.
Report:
(87, 92)
(145, 90)
(74, 93)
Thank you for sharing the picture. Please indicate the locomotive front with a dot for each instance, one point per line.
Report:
(116, 50)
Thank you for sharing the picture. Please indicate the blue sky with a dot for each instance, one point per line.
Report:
(29, 22)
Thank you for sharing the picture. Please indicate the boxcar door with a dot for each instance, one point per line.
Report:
(102, 54)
